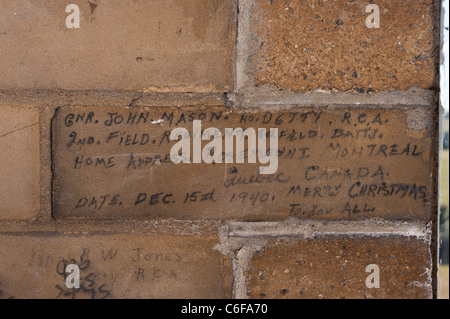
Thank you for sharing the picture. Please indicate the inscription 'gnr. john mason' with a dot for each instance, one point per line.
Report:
(350, 163)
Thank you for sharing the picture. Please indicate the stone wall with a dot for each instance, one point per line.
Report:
(86, 176)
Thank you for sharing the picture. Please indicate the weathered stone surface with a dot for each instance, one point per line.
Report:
(112, 266)
(309, 45)
(19, 162)
(335, 267)
(338, 163)
(159, 46)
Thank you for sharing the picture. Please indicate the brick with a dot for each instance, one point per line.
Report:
(334, 267)
(112, 266)
(119, 45)
(309, 45)
(339, 163)
(19, 162)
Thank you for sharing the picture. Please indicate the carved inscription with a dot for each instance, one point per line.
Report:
(113, 266)
(338, 163)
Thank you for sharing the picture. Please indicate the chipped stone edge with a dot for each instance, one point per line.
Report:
(241, 240)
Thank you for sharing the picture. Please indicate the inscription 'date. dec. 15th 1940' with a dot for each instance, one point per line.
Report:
(354, 163)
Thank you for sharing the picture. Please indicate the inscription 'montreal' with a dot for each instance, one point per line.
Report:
(213, 152)
(350, 163)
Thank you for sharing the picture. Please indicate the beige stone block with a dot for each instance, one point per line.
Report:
(19, 162)
(176, 45)
(112, 266)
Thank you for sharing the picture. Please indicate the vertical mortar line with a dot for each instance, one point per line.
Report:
(237, 57)
(52, 164)
(237, 277)
(45, 174)
(41, 196)
(235, 17)
(240, 265)
(244, 43)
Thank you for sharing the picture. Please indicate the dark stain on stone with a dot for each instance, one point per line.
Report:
(92, 6)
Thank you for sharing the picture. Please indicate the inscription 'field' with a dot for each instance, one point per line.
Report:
(354, 163)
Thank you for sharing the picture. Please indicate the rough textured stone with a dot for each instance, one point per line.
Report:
(112, 266)
(325, 44)
(342, 163)
(362, 189)
(19, 162)
(135, 45)
(335, 267)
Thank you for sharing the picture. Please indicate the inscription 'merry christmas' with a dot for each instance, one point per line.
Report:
(349, 163)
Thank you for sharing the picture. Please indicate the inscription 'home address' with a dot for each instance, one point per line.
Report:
(115, 163)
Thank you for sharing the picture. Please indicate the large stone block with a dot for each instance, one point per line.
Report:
(112, 266)
(335, 267)
(335, 163)
(158, 45)
(19, 162)
(326, 44)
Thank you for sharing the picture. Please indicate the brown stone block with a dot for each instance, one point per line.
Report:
(19, 162)
(333, 163)
(334, 266)
(112, 266)
(310, 45)
(175, 45)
